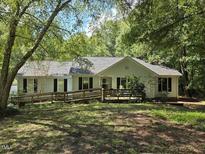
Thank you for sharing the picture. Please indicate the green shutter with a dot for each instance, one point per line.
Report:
(80, 83)
(169, 84)
(90, 83)
(55, 85)
(25, 85)
(159, 84)
(65, 85)
(118, 83)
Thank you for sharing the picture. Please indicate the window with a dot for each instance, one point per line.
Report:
(90, 83)
(165, 84)
(25, 85)
(35, 85)
(80, 83)
(169, 84)
(121, 83)
(85, 83)
(55, 85)
(65, 85)
(104, 83)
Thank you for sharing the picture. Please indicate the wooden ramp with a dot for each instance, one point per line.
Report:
(73, 96)
(80, 95)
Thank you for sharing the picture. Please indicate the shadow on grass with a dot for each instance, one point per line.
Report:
(97, 128)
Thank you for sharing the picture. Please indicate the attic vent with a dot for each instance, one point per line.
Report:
(126, 67)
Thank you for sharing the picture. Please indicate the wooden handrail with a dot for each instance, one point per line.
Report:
(56, 93)
(75, 95)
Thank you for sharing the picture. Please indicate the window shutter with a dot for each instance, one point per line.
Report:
(80, 83)
(118, 83)
(65, 85)
(90, 83)
(169, 84)
(25, 85)
(159, 84)
(35, 85)
(55, 85)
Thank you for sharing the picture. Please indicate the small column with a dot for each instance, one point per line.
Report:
(102, 95)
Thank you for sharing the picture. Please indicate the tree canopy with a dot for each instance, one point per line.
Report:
(27, 26)
(174, 32)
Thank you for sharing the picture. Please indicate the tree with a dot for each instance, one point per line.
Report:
(25, 23)
(172, 30)
(77, 45)
(17, 10)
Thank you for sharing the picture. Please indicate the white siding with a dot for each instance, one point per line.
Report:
(45, 84)
(126, 68)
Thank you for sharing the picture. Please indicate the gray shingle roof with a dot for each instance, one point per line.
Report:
(158, 69)
(45, 68)
(54, 68)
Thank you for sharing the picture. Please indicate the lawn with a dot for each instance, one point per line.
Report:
(103, 128)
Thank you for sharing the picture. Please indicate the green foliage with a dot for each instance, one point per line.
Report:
(136, 86)
(77, 45)
(163, 96)
(172, 31)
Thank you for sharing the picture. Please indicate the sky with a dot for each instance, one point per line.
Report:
(89, 20)
(90, 26)
(110, 13)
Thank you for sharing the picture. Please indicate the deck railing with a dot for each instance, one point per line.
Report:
(80, 95)
(121, 94)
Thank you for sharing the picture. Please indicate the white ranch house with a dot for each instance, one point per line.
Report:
(106, 72)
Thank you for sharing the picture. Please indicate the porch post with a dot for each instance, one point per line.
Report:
(102, 95)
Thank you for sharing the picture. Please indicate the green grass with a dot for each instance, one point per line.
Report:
(181, 115)
(103, 128)
(194, 118)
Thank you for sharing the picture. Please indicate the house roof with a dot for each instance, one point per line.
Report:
(45, 68)
(159, 69)
(99, 64)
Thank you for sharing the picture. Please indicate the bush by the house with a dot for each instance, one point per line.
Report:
(136, 86)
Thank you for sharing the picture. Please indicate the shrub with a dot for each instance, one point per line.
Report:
(163, 96)
(136, 86)
(10, 111)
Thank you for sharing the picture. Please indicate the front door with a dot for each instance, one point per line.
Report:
(106, 82)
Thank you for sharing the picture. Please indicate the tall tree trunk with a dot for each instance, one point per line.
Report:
(184, 71)
(6, 61)
(5, 92)
(4, 98)
(7, 76)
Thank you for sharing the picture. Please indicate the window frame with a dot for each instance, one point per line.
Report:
(119, 81)
(165, 81)
(81, 82)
